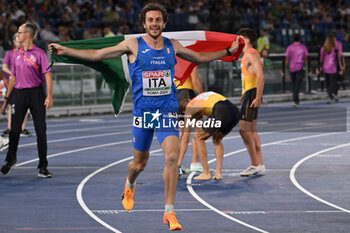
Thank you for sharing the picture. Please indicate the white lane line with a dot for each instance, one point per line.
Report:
(77, 138)
(83, 182)
(80, 123)
(76, 150)
(86, 179)
(56, 167)
(81, 185)
(85, 129)
(277, 142)
(196, 196)
(301, 188)
(54, 131)
(108, 212)
(105, 212)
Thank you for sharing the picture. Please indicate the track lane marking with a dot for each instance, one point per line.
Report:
(196, 196)
(301, 188)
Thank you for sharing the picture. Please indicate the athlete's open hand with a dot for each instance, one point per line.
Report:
(56, 49)
(235, 45)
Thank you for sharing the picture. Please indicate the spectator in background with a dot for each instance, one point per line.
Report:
(123, 30)
(63, 34)
(107, 31)
(263, 41)
(296, 57)
(92, 32)
(47, 35)
(7, 67)
(265, 59)
(328, 61)
(33, 19)
(339, 51)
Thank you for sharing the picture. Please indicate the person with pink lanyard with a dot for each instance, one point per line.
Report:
(296, 57)
(329, 65)
(30, 74)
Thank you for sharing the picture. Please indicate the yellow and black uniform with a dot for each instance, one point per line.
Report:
(187, 86)
(248, 90)
(184, 91)
(218, 108)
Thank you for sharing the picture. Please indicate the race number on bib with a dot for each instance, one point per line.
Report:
(156, 83)
(137, 122)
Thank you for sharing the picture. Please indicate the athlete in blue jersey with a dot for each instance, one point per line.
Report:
(151, 60)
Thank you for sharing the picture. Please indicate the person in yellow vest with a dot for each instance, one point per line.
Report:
(252, 90)
(263, 42)
(221, 116)
(188, 90)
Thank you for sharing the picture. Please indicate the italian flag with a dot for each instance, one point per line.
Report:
(116, 73)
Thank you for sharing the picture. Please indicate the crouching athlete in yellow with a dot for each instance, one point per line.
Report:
(188, 90)
(222, 117)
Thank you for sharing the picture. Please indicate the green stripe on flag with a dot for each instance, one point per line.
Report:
(111, 69)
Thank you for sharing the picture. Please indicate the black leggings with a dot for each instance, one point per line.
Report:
(297, 81)
(332, 85)
(22, 100)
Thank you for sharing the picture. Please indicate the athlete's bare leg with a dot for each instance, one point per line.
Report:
(184, 139)
(195, 157)
(199, 137)
(137, 164)
(219, 154)
(251, 140)
(170, 147)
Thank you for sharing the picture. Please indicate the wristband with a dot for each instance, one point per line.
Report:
(6, 98)
(228, 51)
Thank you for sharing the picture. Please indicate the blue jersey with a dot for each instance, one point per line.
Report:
(152, 76)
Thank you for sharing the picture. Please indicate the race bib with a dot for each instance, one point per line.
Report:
(156, 83)
(137, 122)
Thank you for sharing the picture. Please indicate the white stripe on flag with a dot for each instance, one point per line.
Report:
(186, 38)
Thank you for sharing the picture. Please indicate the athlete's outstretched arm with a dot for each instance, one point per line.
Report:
(128, 46)
(202, 57)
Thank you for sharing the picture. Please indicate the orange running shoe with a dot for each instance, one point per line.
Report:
(170, 219)
(128, 197)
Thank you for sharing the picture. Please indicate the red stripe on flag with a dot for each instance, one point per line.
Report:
(214, 41)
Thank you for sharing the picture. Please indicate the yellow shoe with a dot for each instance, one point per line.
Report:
(128, 198)
(170, 219)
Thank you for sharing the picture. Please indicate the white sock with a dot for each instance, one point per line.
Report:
(130, 185)
(168, 208)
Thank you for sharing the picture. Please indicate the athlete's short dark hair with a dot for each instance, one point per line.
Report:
(153, 7)
(183, 99)
(248, 33)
